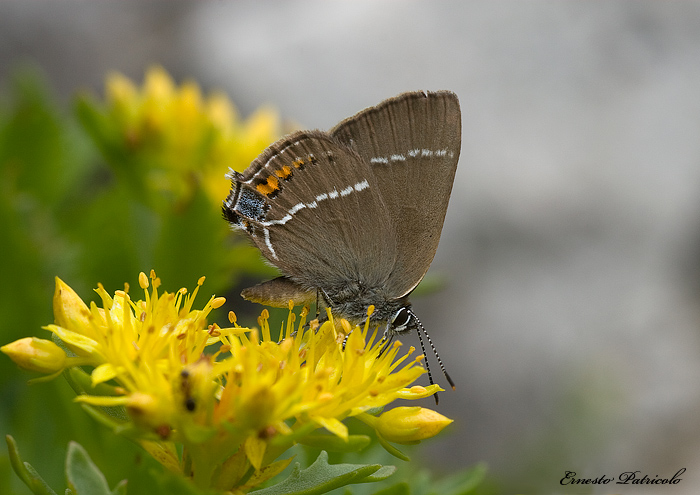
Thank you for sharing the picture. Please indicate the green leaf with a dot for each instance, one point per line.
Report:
(462, 483)
(25, 471)
(392, 450)
(322, 477)
(84, 478)
(379, 475)
(335, 444)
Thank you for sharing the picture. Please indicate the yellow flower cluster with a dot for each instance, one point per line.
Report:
(180, 137)
(233, 397)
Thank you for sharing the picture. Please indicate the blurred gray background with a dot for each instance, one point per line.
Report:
(571, 250)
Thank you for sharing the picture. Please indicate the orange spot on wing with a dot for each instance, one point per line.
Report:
(284, 172)
(264, 188)
(272, 184)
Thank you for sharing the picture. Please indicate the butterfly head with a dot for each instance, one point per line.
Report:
(402, 321)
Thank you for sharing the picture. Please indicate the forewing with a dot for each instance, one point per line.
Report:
(314, 209)
(412, 143)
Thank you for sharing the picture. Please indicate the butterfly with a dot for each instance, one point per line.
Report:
(352, 217)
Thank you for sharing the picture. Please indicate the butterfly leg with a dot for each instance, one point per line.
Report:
(387, 338)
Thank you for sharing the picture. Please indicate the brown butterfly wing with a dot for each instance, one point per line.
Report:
(411, 143)
(314, 209)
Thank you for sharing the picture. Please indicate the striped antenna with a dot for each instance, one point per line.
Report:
(421, 328)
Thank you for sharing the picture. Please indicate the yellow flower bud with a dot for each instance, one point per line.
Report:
(36, 354)
(69, 311)
(410, 424)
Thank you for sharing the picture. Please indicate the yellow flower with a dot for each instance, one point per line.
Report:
(234, 398)
(178, 139)
(238, 143)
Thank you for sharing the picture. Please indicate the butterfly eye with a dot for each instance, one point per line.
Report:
(400, 320)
